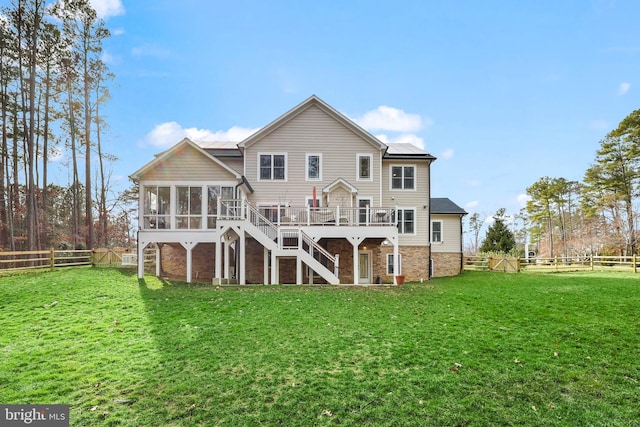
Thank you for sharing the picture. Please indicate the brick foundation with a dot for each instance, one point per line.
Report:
(415, 262)
(446, 263)
(414, 259)
(174, 261)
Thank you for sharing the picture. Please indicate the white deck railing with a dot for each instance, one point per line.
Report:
(333, 216)
(276, 215)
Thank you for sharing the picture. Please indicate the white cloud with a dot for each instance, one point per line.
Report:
(404, 138)
(107, 58)
(56, 155)
(447, 154)
(523, 199)
(623, 88)
(107, 8)
(472, 204)
(152, 51)
(392, 119)
(169, 133)
(117, 31)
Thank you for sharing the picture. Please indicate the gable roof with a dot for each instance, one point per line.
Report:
(186, 142)
(313, 100)
(340, 182)
(443, 205)
(405, 150)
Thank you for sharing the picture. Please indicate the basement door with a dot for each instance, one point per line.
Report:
(364, 267)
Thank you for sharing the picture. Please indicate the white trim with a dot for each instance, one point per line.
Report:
(390, 264)
(415, 220)
(307, 199)
(370, 199)
(189, 216)
(358, 156)
(415, 177)
(173, 201)
(441, 231)
(369, 278)
(306, 166)
(272, 153)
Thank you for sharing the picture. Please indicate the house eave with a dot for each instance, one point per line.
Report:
(137, 175)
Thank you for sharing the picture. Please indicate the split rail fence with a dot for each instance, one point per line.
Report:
(508, 264)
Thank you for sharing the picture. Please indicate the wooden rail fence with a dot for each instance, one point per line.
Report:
(51, 259)
(512, 264)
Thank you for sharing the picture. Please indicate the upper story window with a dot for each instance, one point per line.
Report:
(272, 167)
(157, 207)
(188, 207)
(403, 177)
(364, 167)
(314, 167)
(436, 231)
(406, 221)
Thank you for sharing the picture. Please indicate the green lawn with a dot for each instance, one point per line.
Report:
(479, 349)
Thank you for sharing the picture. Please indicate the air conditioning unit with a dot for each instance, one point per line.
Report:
(129, 259)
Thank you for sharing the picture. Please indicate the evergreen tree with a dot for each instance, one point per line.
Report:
(499, 238)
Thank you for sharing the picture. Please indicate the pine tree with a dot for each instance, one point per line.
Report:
(499, 238)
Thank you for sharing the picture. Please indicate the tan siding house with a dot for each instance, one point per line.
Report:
(446, 237)
(309, 198)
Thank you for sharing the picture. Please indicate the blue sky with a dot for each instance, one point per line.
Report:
(501, 92)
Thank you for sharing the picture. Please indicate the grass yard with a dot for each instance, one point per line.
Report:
(479, 349)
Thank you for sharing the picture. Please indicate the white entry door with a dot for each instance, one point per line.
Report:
(364, 267)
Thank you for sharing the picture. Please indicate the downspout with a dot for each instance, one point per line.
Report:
(430, 265)
(381, 173)
(461, 245)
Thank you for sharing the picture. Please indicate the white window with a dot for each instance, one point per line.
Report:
(188, 207)
(406, 221)
(436, 231)
(390, 264)
(215, 192)
(310, 201)
(403, 177)
(272, 167)
(363, 166)
(157, 207)
(314, 167)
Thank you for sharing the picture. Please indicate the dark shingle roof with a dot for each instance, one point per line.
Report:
(442, 205)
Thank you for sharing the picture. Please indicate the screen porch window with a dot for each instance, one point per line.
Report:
(403, 177)
(406, 221)
(436, 231)
(157, 207)
(273, 167)
(215, 192)
(188, 207)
